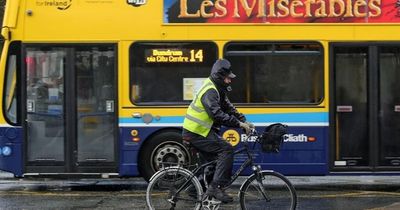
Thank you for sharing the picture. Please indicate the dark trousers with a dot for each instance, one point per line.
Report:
(214, 147)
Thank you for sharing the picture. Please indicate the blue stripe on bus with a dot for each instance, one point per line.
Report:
(321, 117)
(289, 117)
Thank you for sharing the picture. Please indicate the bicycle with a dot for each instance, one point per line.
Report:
(178, 187)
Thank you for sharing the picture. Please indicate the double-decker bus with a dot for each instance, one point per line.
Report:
(102, 86)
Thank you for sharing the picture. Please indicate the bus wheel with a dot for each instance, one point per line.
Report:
(162, 150)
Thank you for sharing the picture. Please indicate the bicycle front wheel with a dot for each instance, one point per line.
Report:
(162, 192)
(271, 190)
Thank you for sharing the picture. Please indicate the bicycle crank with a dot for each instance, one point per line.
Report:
(210, 203)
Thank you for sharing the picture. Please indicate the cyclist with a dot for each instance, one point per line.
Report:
(209, 110)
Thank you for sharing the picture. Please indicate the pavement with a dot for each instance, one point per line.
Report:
(329, 182)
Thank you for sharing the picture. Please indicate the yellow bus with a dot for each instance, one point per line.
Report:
(102, 86)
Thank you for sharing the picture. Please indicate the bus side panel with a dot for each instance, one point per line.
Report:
(129, 149)
(11, 150)
(304, 152)
(128, 153)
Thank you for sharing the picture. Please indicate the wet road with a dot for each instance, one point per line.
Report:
(87, 198)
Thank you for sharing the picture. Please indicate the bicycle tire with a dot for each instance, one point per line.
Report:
(277, 188)
(164, 183)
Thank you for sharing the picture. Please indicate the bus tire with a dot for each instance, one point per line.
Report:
(162, 148)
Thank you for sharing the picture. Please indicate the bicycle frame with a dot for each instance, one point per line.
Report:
(245, 164)
(248, 162)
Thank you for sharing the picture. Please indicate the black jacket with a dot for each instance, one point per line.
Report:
(220, 109)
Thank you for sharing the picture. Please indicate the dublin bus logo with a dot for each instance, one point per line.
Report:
(137, 3)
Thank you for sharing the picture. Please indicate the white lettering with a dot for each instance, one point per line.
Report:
(286, 138)
(295, 138)
(243, 137)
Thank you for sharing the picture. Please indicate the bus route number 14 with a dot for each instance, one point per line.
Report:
(196, 56)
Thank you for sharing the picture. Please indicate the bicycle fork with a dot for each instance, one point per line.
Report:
(259, 178)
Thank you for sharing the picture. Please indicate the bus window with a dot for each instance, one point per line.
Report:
(10, 104)
(169, 73)
(279, 73)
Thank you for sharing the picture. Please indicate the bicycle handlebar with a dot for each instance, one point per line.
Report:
(253, 133)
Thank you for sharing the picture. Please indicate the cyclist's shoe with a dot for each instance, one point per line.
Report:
(218, 194)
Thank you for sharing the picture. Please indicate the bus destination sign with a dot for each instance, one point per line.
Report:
(174, 55)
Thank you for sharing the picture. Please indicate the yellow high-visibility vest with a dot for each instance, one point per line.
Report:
(197, 119)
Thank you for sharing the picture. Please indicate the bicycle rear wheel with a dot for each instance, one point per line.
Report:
(271, 191)
(161, 192)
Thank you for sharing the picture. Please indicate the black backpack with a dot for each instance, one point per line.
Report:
(272, 137)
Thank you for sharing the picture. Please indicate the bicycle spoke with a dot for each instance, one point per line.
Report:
(272, 193)
(193, 200)
(171, 189)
